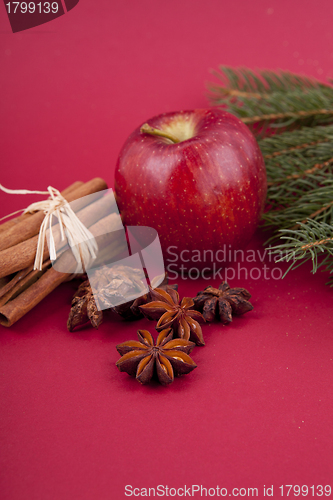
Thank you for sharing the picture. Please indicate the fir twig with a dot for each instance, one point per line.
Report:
(300, 176)
(258, 83)
(312, 241)
(267, 100)
(300, 188)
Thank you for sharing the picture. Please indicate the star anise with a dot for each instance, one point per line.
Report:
(84, 308)
(168, 358)
(222, 302)
(107, 286)
(172, 314)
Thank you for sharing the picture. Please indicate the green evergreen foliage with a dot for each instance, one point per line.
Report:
(267, 100)
(299, 168)
(292, 118)
(312, 240)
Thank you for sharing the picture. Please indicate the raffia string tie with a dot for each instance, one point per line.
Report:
(80, 239)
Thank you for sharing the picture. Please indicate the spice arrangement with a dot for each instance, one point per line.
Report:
(176, 325)
(28, 276)
(213, 176)
(178, 321)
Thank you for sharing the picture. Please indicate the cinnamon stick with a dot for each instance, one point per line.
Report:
(13, 281)
(4, 226)
(4, 280)
(29, 227)
(29, 298)
(22, 255)
(26, 278)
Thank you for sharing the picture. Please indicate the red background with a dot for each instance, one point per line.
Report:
(258, 409)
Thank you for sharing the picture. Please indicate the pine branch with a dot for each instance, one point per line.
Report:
(302, 138)
(312, 241)
(300, 188)
(316, 205)
(258, 83)
(267, 100)
(298, 163)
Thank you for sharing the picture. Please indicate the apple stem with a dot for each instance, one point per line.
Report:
(147, 129)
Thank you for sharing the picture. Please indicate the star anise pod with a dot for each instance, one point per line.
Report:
(222, 302)
(171, 314)
(84, 308)
(168, 358)
(108, 286)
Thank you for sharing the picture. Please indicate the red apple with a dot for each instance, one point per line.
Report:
(198, 178)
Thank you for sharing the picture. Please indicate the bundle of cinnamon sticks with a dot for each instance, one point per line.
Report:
(22, 287)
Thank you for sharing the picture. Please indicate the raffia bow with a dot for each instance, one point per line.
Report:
(80, 239)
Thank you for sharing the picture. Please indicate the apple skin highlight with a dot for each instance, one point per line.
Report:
(201, 193)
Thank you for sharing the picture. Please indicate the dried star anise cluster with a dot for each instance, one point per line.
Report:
(222, 302)
(167, 358)
(178, 321)
(142, 359)
(109, 286)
